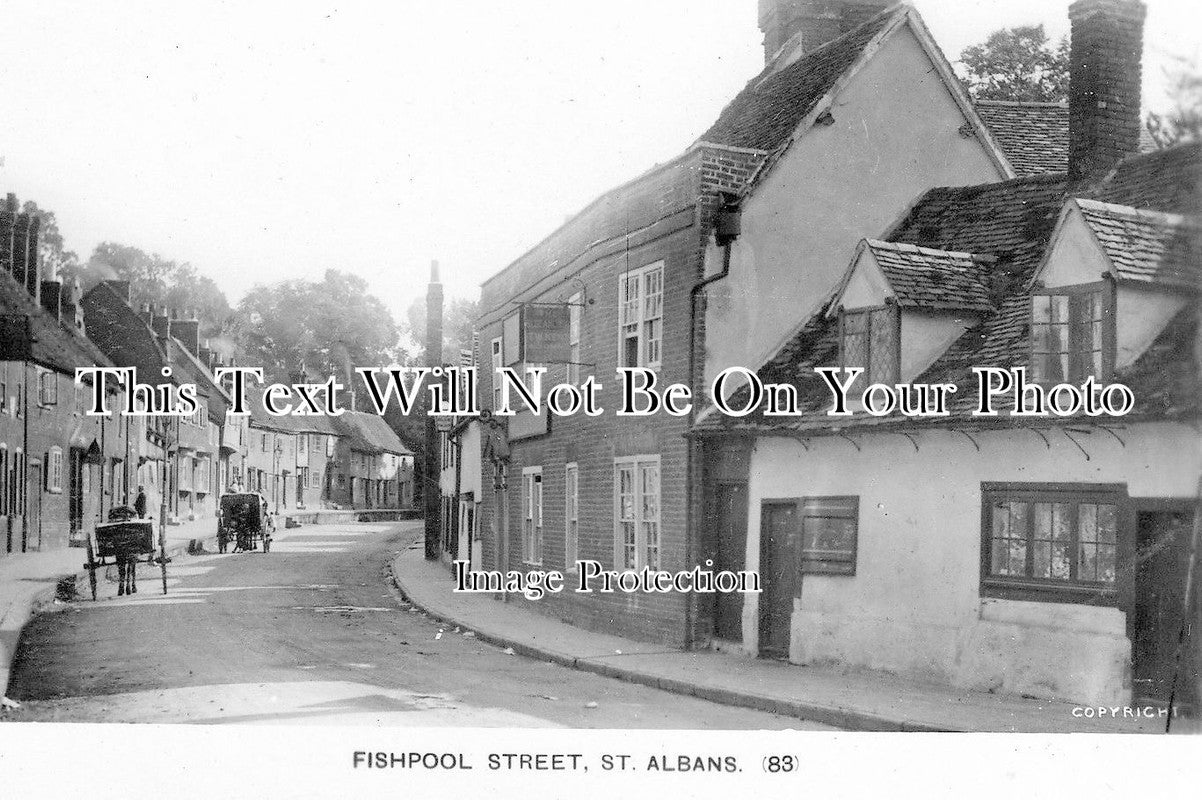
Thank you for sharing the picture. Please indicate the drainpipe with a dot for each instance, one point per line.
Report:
(458, 515)
(726, 229)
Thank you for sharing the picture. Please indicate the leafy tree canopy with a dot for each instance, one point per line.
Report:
(1184, 120)
(159, 281)
(1017, 64)
(326, 327)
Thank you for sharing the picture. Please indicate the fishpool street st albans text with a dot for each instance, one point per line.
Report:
(545, 762)
(639, 393)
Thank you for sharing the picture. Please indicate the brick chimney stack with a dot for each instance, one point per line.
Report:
(1104, 84)
(52, 299)
(816, 22)
(161, 325)
(186, 329)
(8, 226)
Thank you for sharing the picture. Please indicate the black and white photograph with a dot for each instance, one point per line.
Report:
(693, 398)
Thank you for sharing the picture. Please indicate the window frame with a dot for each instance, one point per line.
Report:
(497, 354)
(1055, 590)
(532, 515)
(47, 388)
(895, 312)
(54, 470)
(575, 321)
(637, 463)
(1109, 296)
(831, 564)
(641, 274)
(571, 515)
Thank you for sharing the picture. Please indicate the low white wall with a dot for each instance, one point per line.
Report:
(914, 606)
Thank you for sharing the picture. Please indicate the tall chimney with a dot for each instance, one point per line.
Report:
(8, 225)
(161, 325)
(72, 311)
(186, 329)
(52, 299)
(1104, 92)
(430, 497)
(814, 22)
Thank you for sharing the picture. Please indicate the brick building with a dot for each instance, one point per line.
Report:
(707, 261)
(60, 470)
(181, 458)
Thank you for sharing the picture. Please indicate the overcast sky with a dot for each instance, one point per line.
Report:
(263, 141)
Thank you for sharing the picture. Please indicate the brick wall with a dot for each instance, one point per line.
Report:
(663, 216)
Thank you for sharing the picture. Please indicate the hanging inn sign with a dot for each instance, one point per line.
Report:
(536, 333)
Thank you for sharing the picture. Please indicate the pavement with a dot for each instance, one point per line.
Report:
(28, 581)
(860, 700)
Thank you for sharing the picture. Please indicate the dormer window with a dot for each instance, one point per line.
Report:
(869, 339)
(1072, 333)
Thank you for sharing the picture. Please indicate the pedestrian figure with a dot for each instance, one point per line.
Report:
(140, 502)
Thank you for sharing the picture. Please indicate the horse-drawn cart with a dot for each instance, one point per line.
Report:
(244, 521)
(124, 540)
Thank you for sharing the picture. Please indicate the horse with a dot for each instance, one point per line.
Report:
(127, 574)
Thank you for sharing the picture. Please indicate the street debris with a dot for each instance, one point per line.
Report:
(469, 634)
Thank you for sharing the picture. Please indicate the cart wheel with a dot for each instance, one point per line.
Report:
(163, 558)
(91, 565)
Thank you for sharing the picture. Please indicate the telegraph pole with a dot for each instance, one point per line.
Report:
(431, 463)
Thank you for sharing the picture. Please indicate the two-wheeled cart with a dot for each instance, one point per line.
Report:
(245, 521)
(125, 540)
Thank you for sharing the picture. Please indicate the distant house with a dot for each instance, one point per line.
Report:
(60, 470)
(1045, 555)
(372, 467)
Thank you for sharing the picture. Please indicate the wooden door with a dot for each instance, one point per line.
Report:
(780, 537)
(1162, 555)
(730, 521)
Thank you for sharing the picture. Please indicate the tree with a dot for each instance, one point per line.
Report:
(326, 328)
(1017, 64)
(160, 282)
(458, 326)
(1184, 120)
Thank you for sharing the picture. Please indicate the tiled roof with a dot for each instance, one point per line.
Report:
(1033, 136)
(370, 433)
(1164, 180)
(924, 278)
(1013, 222)
(53, 344)
(1146, 246)
(771, 106)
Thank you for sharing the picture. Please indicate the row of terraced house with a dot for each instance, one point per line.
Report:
(853, 207)
(62, 470)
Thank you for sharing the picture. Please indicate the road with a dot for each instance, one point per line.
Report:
(312, 633)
